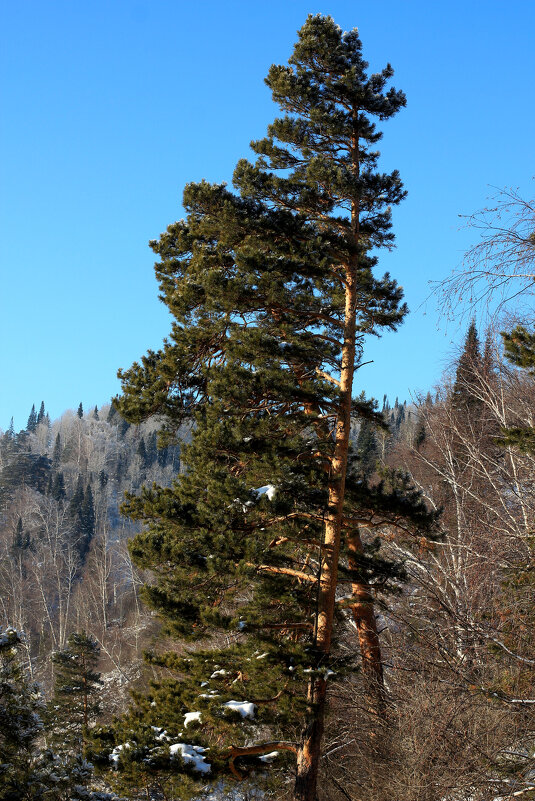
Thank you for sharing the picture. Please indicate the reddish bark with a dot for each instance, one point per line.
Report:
(362, 609)
(309, 752)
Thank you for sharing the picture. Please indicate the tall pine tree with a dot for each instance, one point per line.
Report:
(273, 293)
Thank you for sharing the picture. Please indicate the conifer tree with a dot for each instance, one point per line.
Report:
(29, 772)
(151, 449)
(20, 725)
(31, 425)
(272, 292)
(76, 501)
(366, 447)
(465, 395)
(80, 411)
(82, 514)
(75, 704)
(21, 538)
(163, 456)
(58, 488)
(420, 433)
(142, 453)
(123, 427)
(87, 522)
(27, 469)
(56, 453)
(42, 414)
(519, 346)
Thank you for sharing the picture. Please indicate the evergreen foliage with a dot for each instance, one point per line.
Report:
(123, 427)
(56, 453)
(87, 519)
(151, 449)
(20, 724)
(366, 448)
(21, 538)
(77, 499)
(519, 345)
(42, 414)
(82, 514)
(272, 293)
(75, 704)
(29, 772)
(24, 469)
(142, 453)
(58, 488)
(419, 434)
(31, 425)
(465, 394)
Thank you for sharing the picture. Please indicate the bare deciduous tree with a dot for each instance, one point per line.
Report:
(500, 266)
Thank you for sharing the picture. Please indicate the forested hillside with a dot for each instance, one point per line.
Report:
(64, 563)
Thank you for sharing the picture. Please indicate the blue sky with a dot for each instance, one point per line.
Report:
(109, 108)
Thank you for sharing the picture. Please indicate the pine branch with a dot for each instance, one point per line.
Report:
(252, 750)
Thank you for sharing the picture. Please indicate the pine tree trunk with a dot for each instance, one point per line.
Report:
(362, 609)
(309, 754)
(379, 730)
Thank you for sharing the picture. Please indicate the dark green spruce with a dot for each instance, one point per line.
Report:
(466, 392)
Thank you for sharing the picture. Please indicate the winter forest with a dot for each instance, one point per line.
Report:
(244, 579)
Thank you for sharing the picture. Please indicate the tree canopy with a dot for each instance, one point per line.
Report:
(272, 293)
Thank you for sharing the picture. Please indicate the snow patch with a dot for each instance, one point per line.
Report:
(268, 490)
(191, 717)
(191, 754)
(245, 708)
(160, 734)
(114, 756)
(269, 757)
